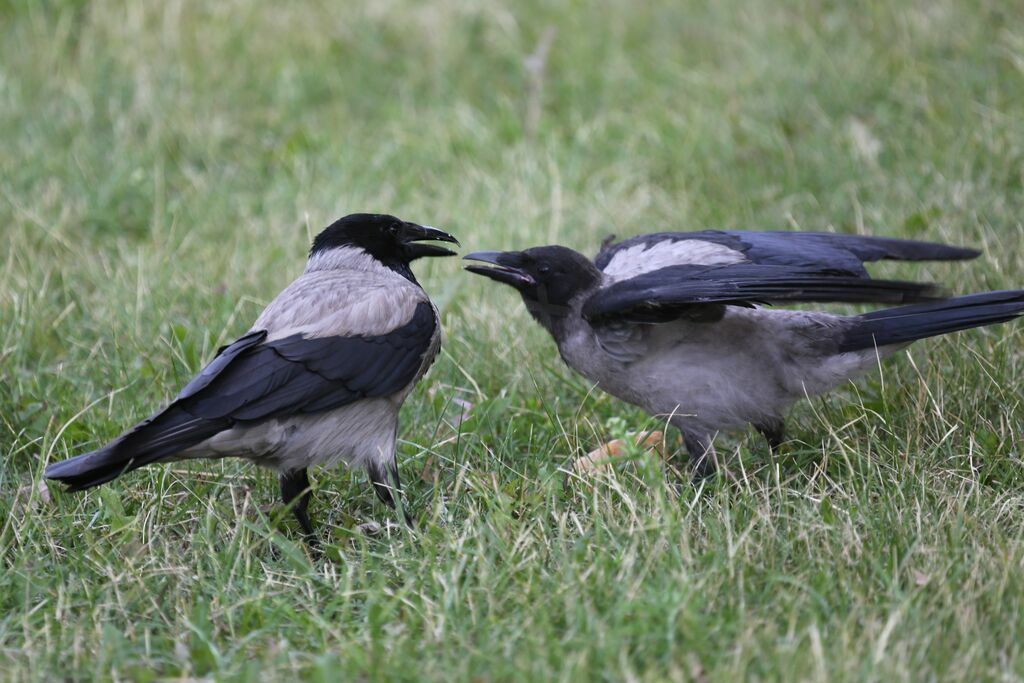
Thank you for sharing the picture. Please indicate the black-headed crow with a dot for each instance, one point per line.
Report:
(676, 323)
(318, 379)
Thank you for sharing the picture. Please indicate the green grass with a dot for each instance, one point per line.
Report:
(163, 167)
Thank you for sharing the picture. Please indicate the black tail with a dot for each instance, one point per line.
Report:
(907, 323)
(91, 469)
(157, 438)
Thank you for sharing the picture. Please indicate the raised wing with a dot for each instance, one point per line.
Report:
(841, 253)
(700, 291)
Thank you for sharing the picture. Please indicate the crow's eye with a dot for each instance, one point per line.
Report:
(544, 269)
(393, 230)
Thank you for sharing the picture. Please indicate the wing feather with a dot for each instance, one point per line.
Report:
(700, 291)
(299, 374)
(839, 252)
(253, 380)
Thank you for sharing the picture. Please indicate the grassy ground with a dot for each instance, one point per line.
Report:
(162, 168)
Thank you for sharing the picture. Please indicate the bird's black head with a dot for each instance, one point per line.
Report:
(548, 278)
(391, 241)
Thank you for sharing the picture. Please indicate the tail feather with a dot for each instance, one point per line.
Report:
(160, 437)
(90, 469)
(909, 323)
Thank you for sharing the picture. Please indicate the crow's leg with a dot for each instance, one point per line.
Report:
(379, 474)
(701, 448)
(774, 432)
(295, 484)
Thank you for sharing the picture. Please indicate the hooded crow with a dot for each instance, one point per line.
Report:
(319, 378)
(675, 323)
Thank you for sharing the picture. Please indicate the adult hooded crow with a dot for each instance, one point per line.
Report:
(319, 378)
(674, 323)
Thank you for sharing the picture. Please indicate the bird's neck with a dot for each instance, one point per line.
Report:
(578, 346)
(560, 320)
(354, 258)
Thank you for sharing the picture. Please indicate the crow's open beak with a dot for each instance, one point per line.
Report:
(507, 267)
(418, 233)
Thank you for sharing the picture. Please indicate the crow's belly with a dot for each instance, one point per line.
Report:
(354, 434)
(712, 392)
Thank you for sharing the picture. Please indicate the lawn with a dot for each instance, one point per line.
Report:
(163, 168)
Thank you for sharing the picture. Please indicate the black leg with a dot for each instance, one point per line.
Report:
(701, 448)
(774, 431)
(379, 475)
(295, 484)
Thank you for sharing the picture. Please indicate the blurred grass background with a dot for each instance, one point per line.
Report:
(163, 168)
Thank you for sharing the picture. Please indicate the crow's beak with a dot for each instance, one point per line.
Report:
(508, 267)
(416, 233)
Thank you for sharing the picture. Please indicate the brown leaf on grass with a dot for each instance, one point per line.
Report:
(652, 442)
(428, 474)
(41, 489)
(44, 492)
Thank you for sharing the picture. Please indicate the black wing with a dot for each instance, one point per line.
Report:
(252, 380)
(296, 374)
(838, 252)
(701, 291)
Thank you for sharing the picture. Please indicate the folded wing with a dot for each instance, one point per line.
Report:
(253, 380)
(297, 374)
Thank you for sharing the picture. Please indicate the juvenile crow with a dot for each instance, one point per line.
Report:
(674, 323)
(319, 378)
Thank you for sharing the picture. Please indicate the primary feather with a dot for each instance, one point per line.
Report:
(837, 252)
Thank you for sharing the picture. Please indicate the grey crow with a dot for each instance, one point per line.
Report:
(675, 322)
(319, 378)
